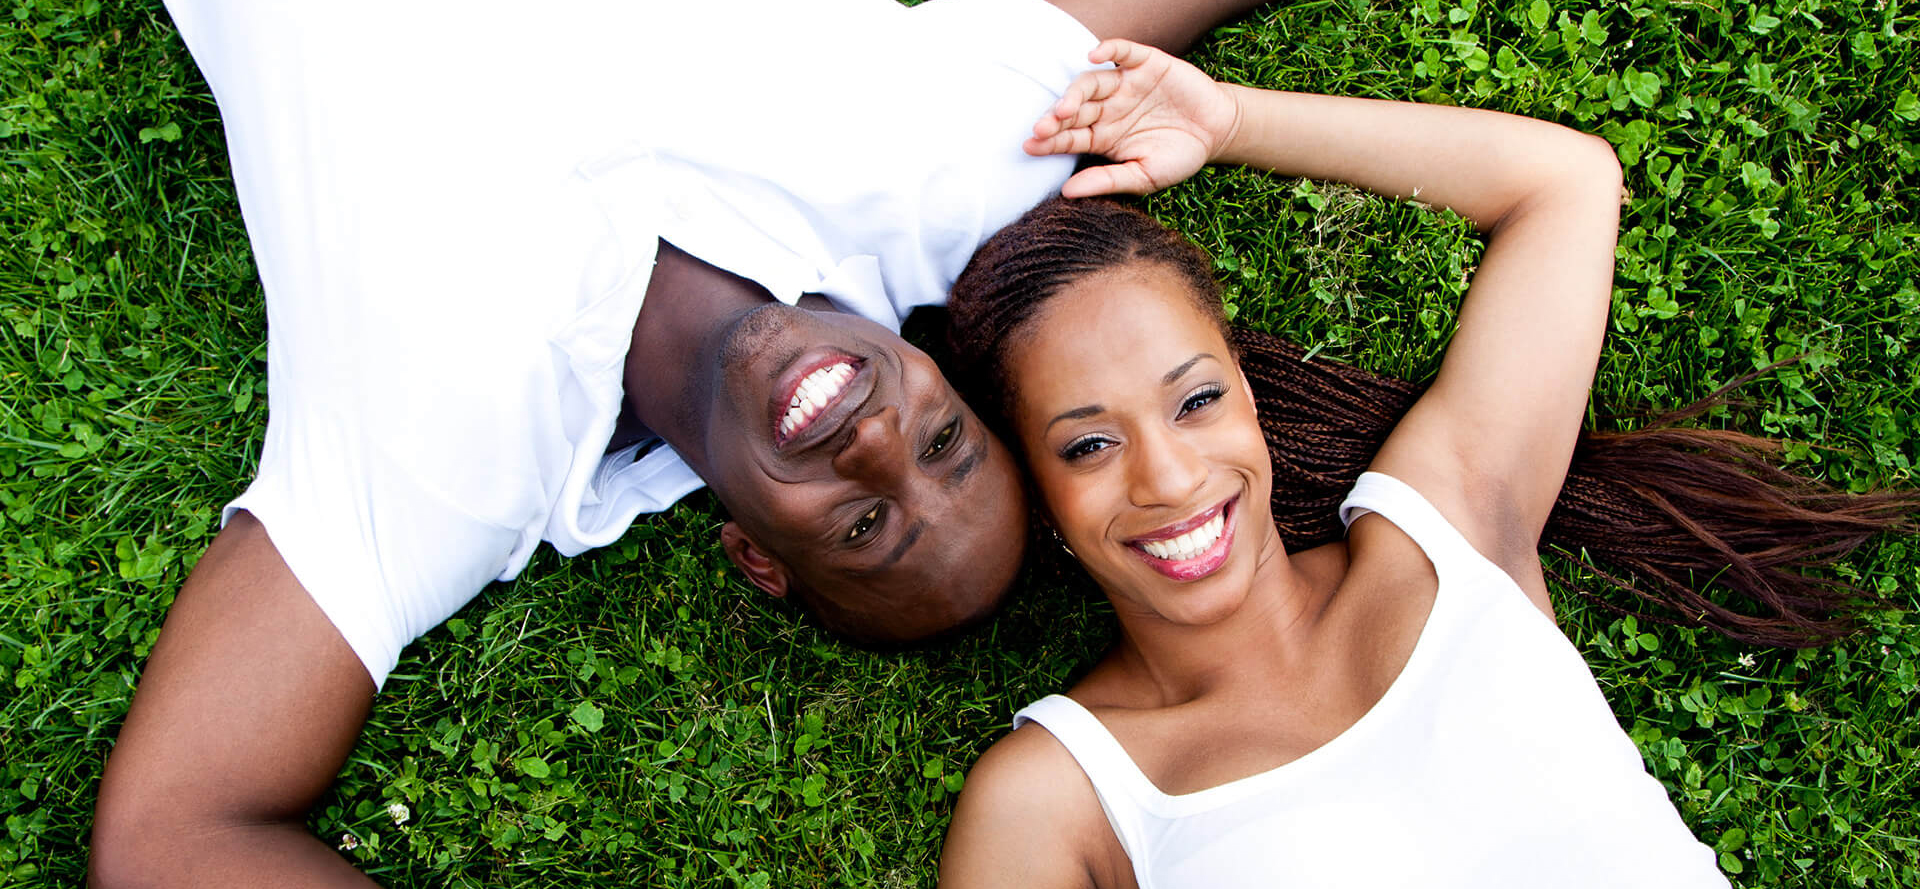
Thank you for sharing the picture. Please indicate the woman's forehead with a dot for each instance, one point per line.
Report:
(1110, 330)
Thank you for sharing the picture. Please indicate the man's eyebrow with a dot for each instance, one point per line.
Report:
(1175, 373)
(968, 462)
(907, 540)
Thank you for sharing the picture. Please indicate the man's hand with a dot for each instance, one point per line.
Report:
(1159, 118)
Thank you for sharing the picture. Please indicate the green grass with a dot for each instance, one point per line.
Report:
(639, 716)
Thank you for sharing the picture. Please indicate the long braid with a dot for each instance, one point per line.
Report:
(1663, 511)
(1323, 423)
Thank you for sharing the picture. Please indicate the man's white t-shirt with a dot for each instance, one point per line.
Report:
(455, 209)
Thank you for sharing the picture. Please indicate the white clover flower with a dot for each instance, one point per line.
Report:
(349, 842)
(1746, 660)
(399, 813)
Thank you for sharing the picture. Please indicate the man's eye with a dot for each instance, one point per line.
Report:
(864, 523)
(940, 441)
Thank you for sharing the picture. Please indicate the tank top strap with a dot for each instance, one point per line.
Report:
(1124, 790)
(1409, 511)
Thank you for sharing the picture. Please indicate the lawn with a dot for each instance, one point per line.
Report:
(639, 715)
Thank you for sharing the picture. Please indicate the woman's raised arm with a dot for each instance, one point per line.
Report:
(1490, 441)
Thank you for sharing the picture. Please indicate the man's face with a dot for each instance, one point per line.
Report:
(855, 472)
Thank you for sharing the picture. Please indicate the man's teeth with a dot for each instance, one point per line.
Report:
(1191, 544)
(815, 392)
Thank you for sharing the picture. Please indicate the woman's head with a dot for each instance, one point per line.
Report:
(1096, 339)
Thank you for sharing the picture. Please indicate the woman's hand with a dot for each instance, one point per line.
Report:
(1159, 118)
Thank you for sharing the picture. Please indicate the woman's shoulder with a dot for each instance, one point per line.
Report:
(1029, 770)
(1025, 805)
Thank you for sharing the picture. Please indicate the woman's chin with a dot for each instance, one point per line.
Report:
(1214, 598)
(1218, 588)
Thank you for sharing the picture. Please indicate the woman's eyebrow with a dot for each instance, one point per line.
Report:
(1081, 413)
(1177, 372)
(1078, 413)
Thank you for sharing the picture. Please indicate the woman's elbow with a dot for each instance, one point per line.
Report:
(1594, 167)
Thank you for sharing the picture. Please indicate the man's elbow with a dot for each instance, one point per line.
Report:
(140, 841)
(118, 859)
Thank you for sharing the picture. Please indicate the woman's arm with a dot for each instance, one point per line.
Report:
(1490, 441)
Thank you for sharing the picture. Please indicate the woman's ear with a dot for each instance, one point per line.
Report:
(761, 567)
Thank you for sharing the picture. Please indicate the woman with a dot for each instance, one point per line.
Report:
(1393, 709)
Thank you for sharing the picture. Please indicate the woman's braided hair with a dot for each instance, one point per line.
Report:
(1661, 511)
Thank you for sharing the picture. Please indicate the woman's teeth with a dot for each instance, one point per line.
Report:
(815, 392)
(1191, 544)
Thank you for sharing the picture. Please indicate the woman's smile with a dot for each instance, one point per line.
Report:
(1191, 549)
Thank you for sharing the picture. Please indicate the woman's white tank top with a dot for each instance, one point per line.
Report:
(1491, 761)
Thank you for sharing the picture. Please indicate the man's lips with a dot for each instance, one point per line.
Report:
(1193, 548)
(815, 395)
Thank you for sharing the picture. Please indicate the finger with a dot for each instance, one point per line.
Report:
(1063, 142)
(1111, 49)
(1101, 84)
(1079, 104)
(1046, 126)
(1088, 86)
(1125, 178)
(1085, 116)
(1122, 53)
(1063, 109)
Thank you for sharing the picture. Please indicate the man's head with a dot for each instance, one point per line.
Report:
(857, 479)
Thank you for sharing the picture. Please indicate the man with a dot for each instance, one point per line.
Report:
(458, 218)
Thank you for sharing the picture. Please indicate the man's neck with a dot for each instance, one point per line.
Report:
(669, 361)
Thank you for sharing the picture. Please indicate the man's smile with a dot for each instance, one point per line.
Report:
(817, 395)
(816, 390)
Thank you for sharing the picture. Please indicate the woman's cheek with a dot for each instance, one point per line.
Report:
(1074, 501)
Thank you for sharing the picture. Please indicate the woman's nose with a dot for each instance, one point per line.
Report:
(875, 452)
(1166, 470)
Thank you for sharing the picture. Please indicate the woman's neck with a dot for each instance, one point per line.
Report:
(1264, 639)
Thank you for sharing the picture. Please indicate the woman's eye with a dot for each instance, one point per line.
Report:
(1200, 399)
(940, 441)
(864, 523)
(1083, 447)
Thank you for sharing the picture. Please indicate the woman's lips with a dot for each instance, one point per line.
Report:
(1191, 549)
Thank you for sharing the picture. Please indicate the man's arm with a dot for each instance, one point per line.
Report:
(246, 711)
(1171, 25)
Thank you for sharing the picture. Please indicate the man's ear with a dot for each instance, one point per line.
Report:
(761, 567)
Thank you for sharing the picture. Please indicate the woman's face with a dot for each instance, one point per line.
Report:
(1144, 445)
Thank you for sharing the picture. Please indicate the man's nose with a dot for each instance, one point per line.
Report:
(1165, 470)
(875, 453)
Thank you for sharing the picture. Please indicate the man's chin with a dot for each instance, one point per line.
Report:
(758, 331)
